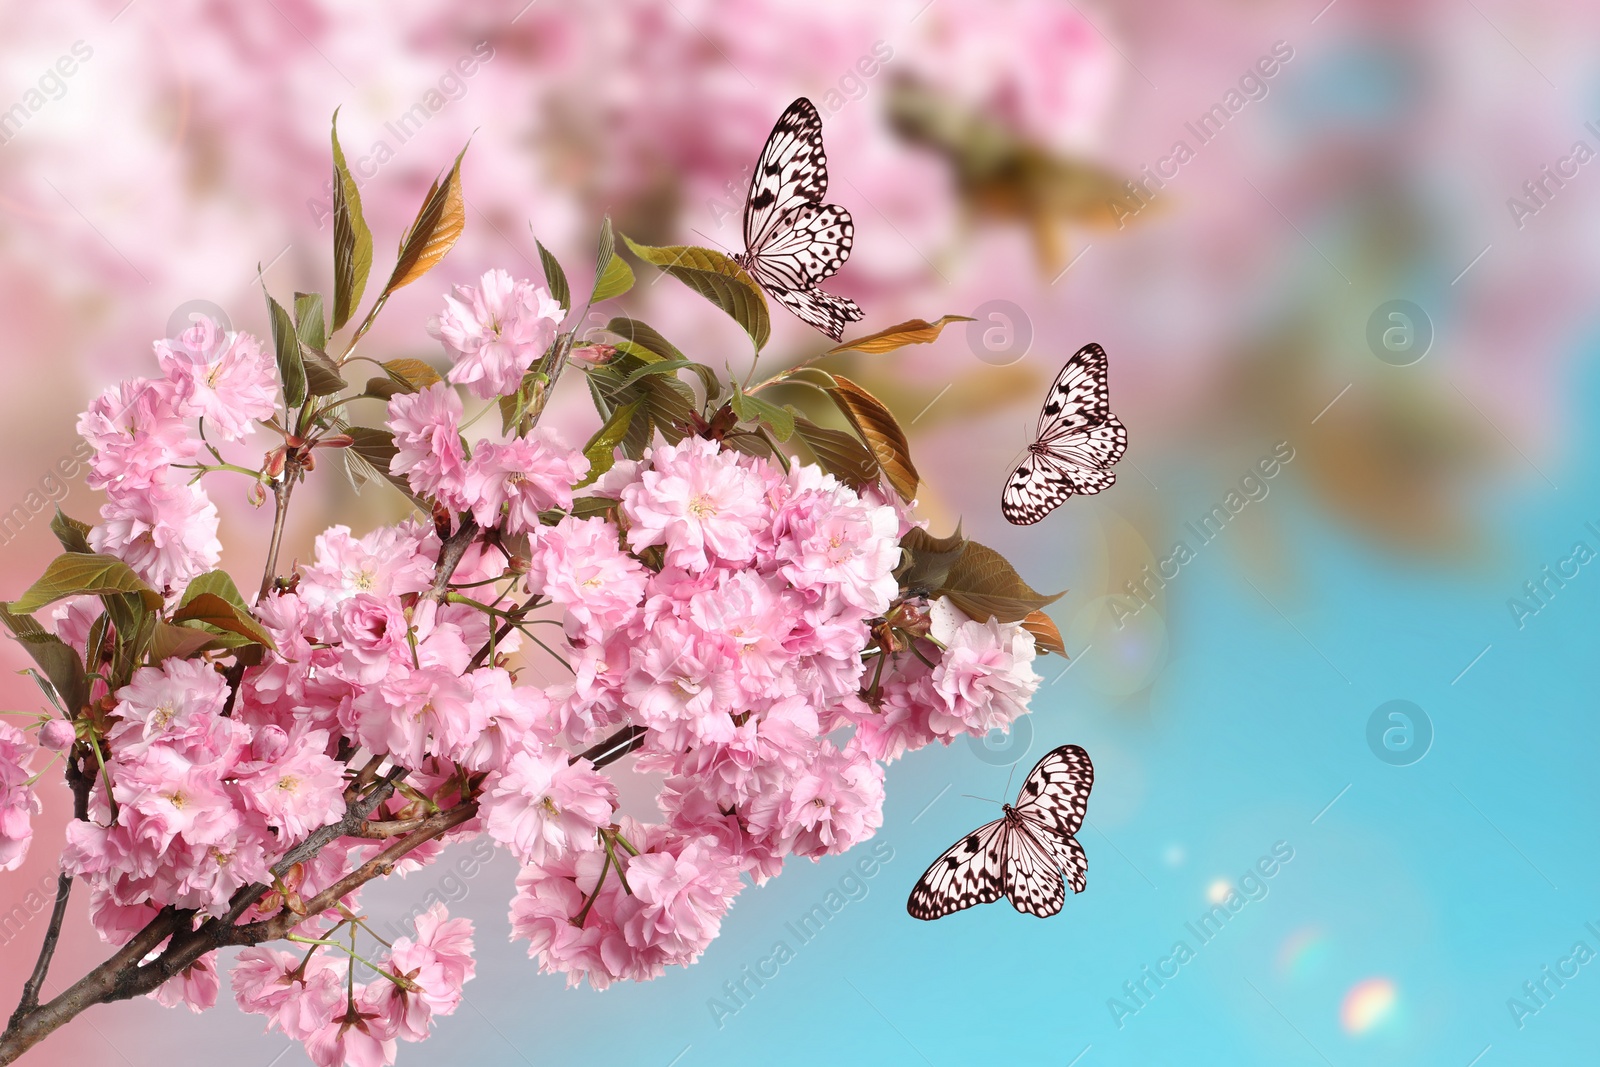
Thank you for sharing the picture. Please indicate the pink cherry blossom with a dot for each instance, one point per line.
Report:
(227, 379)
(493, 332)
(168, 533)
(427, 440)
(438, 962)
(360, 1035)
(137, 433)
(522, 477)
(702, 504)
(579, 565)
(296, 789)
(18, 803)
(541, 806)
(985, 678)
(195, 986)
(297, 1001)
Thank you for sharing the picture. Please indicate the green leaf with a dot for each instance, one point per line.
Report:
(73, 535)
(411, 375)
(718, 279)
(438, 225)
(839, 453)
(643, 335)
(370, 453)
(514, 405)
(76, 573)
(216, 583)
(213, 610)
(180, 642)
(601, 447)
(754, 409)
(612, 276)
(291, 367)
(927, 559)
(555, 277)
(983, 584)
(57, 659)
(308, 321)
(880, 431)
(322, 373)
(132, 641)
(352, 241)
(910, 332)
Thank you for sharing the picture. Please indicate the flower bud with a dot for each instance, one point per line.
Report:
(57, 735)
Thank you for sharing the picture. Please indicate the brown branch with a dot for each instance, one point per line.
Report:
(613, 748)
(280, 511)
(450, 553)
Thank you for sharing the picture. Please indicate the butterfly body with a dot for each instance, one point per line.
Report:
(1077, 442)
(793, 241)
(1022, 855)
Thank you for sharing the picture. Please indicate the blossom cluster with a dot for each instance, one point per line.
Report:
(733, 617)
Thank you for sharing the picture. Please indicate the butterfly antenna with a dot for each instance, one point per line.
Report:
(986, 800)
(1009, 776)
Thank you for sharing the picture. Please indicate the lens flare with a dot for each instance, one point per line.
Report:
(1303, 953)
(1219, 890)
(1368, 1004)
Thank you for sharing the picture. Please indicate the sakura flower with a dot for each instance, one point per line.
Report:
(835, 542)
(424, 712)
(427, 439)
(225, 378)
(984, 679)
(176, 701)
(835, 803)
(57, 735)
(168, 533)
(579, 565)
(137, 433)
(360, 1035)
(702, 504)
(297, 789)
(493, 332)
(18, 804)
(542, 806)
(375, 635)
(437, 962)
(195, 986)
(298, 1001)
(524, 477)
(681, 899)
(389, 561)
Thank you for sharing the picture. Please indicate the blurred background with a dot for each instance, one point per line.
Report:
(1349, 242)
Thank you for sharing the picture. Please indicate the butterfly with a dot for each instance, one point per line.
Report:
(793, 241)
(1077, 442)
(1022, 854)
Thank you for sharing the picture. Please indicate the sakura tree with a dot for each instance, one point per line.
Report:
(729, 575)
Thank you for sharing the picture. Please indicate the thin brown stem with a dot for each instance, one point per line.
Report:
(280, 496)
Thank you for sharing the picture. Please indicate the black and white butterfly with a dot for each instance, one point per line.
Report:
(1077, 442)
(793, 241)
(1024, 853)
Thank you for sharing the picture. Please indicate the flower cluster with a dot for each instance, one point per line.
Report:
(749, 627)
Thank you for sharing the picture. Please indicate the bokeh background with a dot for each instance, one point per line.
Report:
(1441, 850)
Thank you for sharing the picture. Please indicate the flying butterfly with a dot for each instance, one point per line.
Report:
(793, 241)
(1024, 853)
(1077, 442)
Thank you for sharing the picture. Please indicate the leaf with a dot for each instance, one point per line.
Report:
(75, 573)
(179, 642)
(411, 375)
(73, 535)
(435, 230)
(880, 431)
(910, 332)
(352, 241)
(308, 323)
(983, 584)
(754, 409)
(601, 449)
(213, 610)
(216, 583)
(383, 388)
(644, 335)
(671, 406)
(1046, 637)
(514, 405)
(928, 559)
(375, 449)
(839, 453)
(555, 278)
(718, 279)
(55, 657)
(322, 373)
(612, 276)
(291, 368)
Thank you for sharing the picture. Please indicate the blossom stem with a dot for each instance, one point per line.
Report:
(579, 919)
(280, 494)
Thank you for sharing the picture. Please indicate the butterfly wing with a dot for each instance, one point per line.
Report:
(1032, 874)
(825, 311)
(810, 247)
(1080, 396)
(1056, 791)
(1041, 483)
(970, 872)
(791, 173)
(1079, 440)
